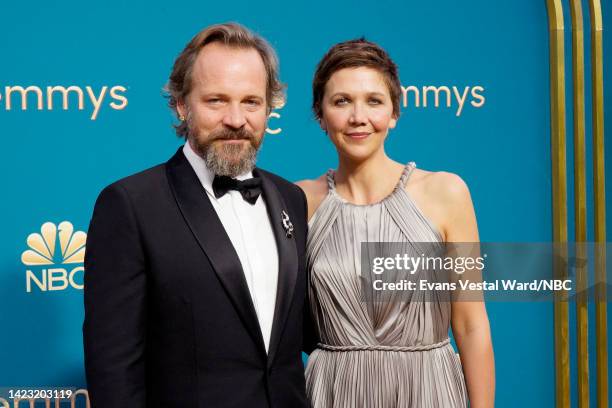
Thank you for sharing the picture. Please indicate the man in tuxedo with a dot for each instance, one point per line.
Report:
(195, 269)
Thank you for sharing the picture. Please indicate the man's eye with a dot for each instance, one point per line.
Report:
(253, 102)
(375, 101)
(213, 100)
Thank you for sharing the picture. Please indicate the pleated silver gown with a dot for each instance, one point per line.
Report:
(392, 353)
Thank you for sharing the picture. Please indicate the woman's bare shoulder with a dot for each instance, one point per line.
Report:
(442, 186)
(316, 191)
(441, 196)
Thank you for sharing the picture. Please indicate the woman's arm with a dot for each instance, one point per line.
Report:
(315, 191)
(469, 320)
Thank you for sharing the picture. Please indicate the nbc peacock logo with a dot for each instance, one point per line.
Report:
(55, 257)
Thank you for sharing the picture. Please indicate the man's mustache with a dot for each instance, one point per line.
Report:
(231, 134)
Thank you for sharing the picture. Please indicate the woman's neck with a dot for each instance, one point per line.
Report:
(367, 181)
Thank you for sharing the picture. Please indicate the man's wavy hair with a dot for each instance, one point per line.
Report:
(233, 35)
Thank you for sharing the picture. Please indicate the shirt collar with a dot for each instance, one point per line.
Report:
(205, 175)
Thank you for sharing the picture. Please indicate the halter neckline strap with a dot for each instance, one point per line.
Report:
(331, 185)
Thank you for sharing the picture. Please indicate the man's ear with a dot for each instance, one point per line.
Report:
(181, 109)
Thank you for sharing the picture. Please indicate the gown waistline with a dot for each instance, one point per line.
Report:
(382, 347)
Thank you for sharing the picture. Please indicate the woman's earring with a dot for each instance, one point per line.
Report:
(182, 118)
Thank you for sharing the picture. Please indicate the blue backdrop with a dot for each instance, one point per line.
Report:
(54, 162)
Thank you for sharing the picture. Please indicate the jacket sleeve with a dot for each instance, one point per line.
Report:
(115, 304)
(309, 339)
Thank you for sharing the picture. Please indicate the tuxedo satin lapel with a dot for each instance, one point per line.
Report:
(287, 260)
(210, 234)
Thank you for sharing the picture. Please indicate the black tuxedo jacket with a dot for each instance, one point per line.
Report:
(169, 320)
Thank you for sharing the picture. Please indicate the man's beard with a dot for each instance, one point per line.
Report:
(227, 159)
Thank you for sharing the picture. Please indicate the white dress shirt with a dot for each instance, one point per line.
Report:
(248, 227)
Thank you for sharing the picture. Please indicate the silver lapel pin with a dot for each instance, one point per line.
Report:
(287, 225)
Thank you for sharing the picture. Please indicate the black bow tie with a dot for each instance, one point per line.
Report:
(250, 189)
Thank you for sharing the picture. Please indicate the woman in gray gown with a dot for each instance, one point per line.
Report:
(393, 353)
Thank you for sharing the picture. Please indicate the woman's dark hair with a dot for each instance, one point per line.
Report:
(354, 54)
